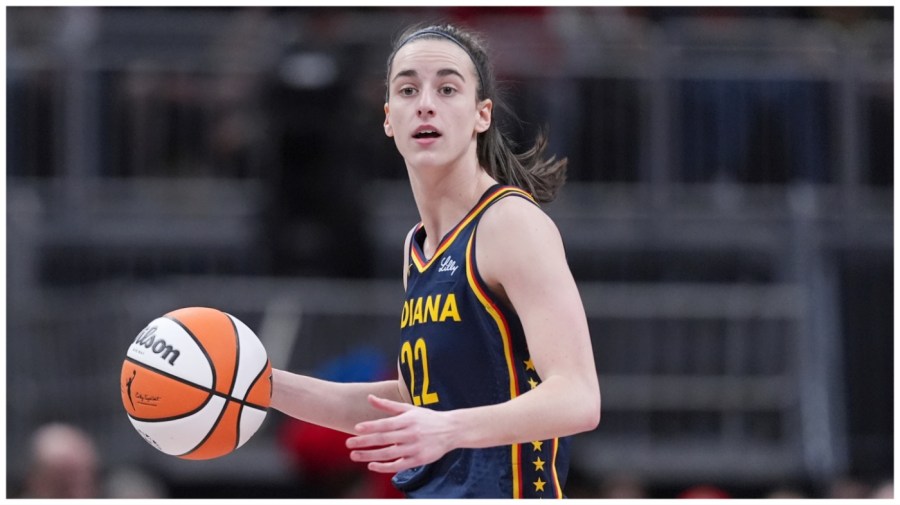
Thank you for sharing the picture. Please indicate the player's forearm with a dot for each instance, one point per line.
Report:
(559, 406)
(335, 405)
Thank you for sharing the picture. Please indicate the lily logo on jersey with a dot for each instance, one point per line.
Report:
(448, 264)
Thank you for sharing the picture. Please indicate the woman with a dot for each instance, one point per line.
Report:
(495, 362)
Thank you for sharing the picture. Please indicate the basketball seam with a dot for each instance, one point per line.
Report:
(212, 366)
(256, 380)
(211, 392)
(237, 355)
(237, 366)
(209, 433)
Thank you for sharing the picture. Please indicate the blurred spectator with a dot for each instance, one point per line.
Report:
(133, 482)
(623, 487)
(884, 491)
(62, 463)
(848, 488)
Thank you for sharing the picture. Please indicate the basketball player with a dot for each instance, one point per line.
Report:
(495, 361)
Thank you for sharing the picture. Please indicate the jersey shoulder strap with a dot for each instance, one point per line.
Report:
(407, 252)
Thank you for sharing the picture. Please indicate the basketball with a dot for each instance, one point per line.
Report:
(196, 383)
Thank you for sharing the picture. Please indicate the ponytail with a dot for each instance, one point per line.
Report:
(528, 170)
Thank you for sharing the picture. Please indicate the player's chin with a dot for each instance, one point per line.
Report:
(427, 162)
(425, 159)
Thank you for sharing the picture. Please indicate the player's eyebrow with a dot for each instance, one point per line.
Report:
(441, 73)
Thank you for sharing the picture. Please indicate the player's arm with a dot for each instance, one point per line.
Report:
(521, 257)
(336, 405)
(339, 406)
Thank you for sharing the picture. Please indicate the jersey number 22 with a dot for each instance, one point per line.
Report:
(408, 355)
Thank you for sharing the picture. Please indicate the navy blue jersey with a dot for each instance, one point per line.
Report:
(460, 348)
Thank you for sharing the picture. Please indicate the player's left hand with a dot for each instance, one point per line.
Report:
(411, 436)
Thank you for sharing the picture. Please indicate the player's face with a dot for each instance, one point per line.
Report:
(433, 112)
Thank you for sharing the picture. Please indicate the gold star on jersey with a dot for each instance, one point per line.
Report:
(539, 465)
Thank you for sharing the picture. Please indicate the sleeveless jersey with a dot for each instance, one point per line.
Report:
(459, 348)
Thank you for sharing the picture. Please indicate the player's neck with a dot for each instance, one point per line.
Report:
(444, 201)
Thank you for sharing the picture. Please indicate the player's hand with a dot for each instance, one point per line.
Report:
(411, 436)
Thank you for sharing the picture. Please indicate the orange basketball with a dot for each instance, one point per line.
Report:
(196, 383)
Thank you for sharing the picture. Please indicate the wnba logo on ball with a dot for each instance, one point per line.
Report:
(147, 338)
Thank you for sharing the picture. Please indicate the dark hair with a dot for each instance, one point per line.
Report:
(527, 170)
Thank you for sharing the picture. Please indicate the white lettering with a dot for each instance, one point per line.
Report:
(448, 264)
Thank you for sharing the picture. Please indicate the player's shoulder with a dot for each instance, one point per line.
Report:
(514, 215)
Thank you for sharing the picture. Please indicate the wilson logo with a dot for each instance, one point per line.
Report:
(149, 339)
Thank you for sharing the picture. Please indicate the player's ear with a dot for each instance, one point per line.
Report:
(485, 111)
(388, 129)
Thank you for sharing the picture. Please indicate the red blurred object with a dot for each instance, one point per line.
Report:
(703, 491)
(318, 450)
(324, 460)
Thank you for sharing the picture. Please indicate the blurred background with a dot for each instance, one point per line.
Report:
(728, 216)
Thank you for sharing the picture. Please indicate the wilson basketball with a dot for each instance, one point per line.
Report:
(196, 383)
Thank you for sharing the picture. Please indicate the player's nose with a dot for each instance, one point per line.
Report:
(425, 105)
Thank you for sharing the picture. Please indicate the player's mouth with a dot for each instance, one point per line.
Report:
(426, 132)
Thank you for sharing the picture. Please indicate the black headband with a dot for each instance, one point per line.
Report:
(439, 33)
